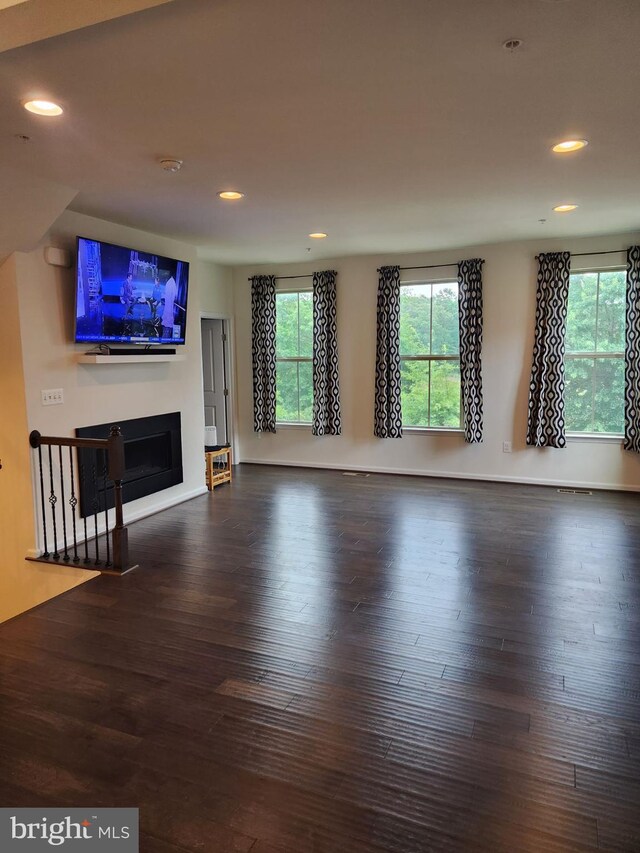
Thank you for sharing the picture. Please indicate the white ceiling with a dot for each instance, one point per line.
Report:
(394, 125)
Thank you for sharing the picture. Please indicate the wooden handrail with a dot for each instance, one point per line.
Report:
(36, 440)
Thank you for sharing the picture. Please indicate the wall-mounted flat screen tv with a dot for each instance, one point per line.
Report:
(127, 296)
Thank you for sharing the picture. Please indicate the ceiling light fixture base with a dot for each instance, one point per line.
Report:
(169, 164)
(511, 45)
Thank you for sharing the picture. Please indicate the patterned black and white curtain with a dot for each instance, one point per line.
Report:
(632, 353)
(263, 347)
(470, 321)
(546, 390)
(326, 384)
(388, 403)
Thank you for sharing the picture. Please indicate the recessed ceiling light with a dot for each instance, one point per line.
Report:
(318, 235)
(564, 208)
(231, 195)
(569, 145)
(43, 108)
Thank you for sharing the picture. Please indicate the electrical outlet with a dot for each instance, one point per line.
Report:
(506, 447)
(52, 397)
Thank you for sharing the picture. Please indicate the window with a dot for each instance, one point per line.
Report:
(594, 358)
(294, 357)
(430, 355)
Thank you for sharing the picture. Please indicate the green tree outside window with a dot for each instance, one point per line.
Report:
(294, 353)
(430, 355)
(594, 357)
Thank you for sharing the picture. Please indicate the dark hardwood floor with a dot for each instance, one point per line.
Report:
(310, 662)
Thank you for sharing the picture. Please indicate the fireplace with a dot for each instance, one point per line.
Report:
(153, 461)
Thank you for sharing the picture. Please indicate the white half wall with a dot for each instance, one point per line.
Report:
(509, 314)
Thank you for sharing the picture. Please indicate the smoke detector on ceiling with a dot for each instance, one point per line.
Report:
(171, 165)
(512, 44)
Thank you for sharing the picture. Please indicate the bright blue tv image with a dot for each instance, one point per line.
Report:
(127, 296)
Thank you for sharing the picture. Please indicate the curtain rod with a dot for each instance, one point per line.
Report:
(608, 252)
(282, 277)
(587, 254)
(428, 267)
(454, 264)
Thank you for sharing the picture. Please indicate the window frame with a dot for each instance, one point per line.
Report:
(583, 435)
(294, 359)
(428, 430)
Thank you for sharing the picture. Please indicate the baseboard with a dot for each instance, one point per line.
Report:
(452, 475)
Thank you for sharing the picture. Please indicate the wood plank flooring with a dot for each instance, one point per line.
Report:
(308, 662)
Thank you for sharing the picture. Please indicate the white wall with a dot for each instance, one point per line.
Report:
(22, 584)
(509, 313)
(216, 289)
(42, 355)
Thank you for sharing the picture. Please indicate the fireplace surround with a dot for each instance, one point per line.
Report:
(153, 460)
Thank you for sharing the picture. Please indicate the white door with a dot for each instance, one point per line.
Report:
(214, 372)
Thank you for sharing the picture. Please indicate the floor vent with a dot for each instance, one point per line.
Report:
(354, 474)
(574, 491)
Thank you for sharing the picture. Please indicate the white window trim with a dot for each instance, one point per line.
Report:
(432, 430)
(607, 265)
(437, 279)
(597, 437)
(293, 425)
(306, 289)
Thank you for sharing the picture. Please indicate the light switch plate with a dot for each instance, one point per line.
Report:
(506, 447)
(52, 397)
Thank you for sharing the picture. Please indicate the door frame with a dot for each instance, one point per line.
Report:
(231, 376)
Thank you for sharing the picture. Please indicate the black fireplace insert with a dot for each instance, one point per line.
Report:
(153, 461)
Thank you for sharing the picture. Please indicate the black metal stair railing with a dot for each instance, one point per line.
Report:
(56, 483)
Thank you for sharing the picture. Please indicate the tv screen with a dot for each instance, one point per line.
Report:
(127, 296)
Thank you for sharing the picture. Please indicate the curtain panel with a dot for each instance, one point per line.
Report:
(470, 322)
(326, 384)
(263, 350)
(632, 353)
(388, 404)
(546, 426)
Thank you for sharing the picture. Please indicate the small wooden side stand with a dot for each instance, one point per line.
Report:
(216, 476)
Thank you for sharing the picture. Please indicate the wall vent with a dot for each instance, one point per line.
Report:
(574, 491)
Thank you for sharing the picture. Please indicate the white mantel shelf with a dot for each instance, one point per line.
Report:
(127, 359)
